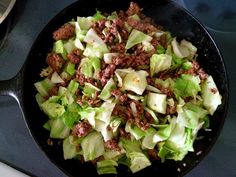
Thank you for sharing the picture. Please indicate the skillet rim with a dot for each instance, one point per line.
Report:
(226, 96)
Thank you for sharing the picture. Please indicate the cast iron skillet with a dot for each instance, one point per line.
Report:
(173, 18)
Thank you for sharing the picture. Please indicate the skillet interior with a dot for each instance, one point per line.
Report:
(172, 18)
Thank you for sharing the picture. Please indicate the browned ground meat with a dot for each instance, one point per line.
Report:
(133, 60)
(155, 42)
(202, 74)
(152, 153)
(124, 134)
(213, 90)
(148, 117)
(75, 56)
(112, 145)
(121, 96)
(81, 129)
(107, 73)
(167, 74)
(50, 142)
(133, 9)
(109, 70)
(195, 70)
(139, 108)
(163, 40)
(143, 124)
(123, 111)
(188, 99)
(115, 28)
(65, 32)
(95, 101)
(128, 113)
(55, 61)
(98, 159)
(81, 78)
(53, 91)
(99, 26)
(150, 80)
(171, 109)
(117, 111)
(116, 92)
(138, 119)
(165, 90)
(142, 26)
(136, 24)
(79, 100)
(118, 47)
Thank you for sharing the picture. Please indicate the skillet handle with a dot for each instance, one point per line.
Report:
(13, 87)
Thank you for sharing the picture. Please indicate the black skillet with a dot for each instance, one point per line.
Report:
(166, 13)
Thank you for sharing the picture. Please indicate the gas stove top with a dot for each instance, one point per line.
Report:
(17, 146)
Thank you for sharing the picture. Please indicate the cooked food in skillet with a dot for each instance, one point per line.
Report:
(119, 89)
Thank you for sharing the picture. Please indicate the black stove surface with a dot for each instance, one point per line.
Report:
(18, 147)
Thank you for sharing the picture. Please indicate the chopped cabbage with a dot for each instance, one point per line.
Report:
(210, 94)
(135, 81)
(157, 102)
(137, 37)
(92, 146)
(159, 62)
(187, 85)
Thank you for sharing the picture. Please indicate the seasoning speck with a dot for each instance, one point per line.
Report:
(199, 152)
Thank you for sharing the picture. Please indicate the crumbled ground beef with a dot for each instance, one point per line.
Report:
(113, 28)
(75, 56)
(202, 74)
(121, 96)
(124, 134)
(152, 153)
(213, 90)
(128, 115)
(150, 80)
(134, 61)
(118, 48)
(155, 42)
(107, 73)
(81, 129)
(195, 70)
(148, 117)
(167, 74)
(81, 78)
(171, 109)
(79, 100)
(55, 61)
(53, 91)
(50, 142)
(163, 40)
(165, 90)
(65, 32)
(112, 145)
(95, 101)
(98, 159)
(188, 99)
(139, 120)
(142, 26)
(133, 9)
